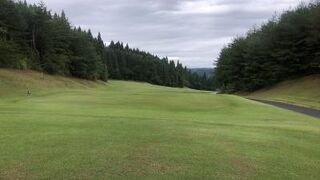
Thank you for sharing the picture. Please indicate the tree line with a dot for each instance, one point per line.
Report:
(286, 47)
(133, 64)
(32, 37)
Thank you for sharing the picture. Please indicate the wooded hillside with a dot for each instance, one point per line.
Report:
(32, 37)
(286, 47)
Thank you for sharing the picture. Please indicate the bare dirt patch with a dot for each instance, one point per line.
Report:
(145, 160)
(243, 167)
(14, 173)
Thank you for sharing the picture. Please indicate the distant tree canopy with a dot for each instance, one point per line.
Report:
(132, 64)
(283, 48)
(32, 37)
(202, 71)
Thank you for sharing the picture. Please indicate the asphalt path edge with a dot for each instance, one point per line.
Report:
(304, 110)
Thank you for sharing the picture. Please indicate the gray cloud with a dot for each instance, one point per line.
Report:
(193, 31)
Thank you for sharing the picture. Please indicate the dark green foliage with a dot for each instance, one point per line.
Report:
(201, 82)
(31, 37)
(201, 71)
(286, 47)
(132, 64)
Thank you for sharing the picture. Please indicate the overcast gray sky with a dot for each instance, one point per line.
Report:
(193, 31)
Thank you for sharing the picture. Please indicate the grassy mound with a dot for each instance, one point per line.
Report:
(304, 91)
(17, 82)
(128, 130)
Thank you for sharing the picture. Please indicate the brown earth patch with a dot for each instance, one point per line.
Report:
(14, 173)
(243, 167)
(145, 160)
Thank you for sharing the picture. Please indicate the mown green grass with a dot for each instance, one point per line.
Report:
(304, 91)
(127, 130)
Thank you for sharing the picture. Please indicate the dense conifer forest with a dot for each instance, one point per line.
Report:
(132, 64)
(32, 37)
(286, 47)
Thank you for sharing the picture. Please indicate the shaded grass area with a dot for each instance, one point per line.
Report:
(122, 130)
(304, 91)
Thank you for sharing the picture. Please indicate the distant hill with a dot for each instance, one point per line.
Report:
(201, 71)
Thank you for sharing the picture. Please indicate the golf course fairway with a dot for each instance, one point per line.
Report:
(73, 129)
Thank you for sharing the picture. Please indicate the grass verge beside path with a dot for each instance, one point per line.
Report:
(304, 92)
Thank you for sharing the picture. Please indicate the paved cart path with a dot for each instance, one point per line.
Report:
(300, 109)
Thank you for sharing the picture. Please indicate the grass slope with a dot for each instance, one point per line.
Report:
(127, 130)
(304, 91)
